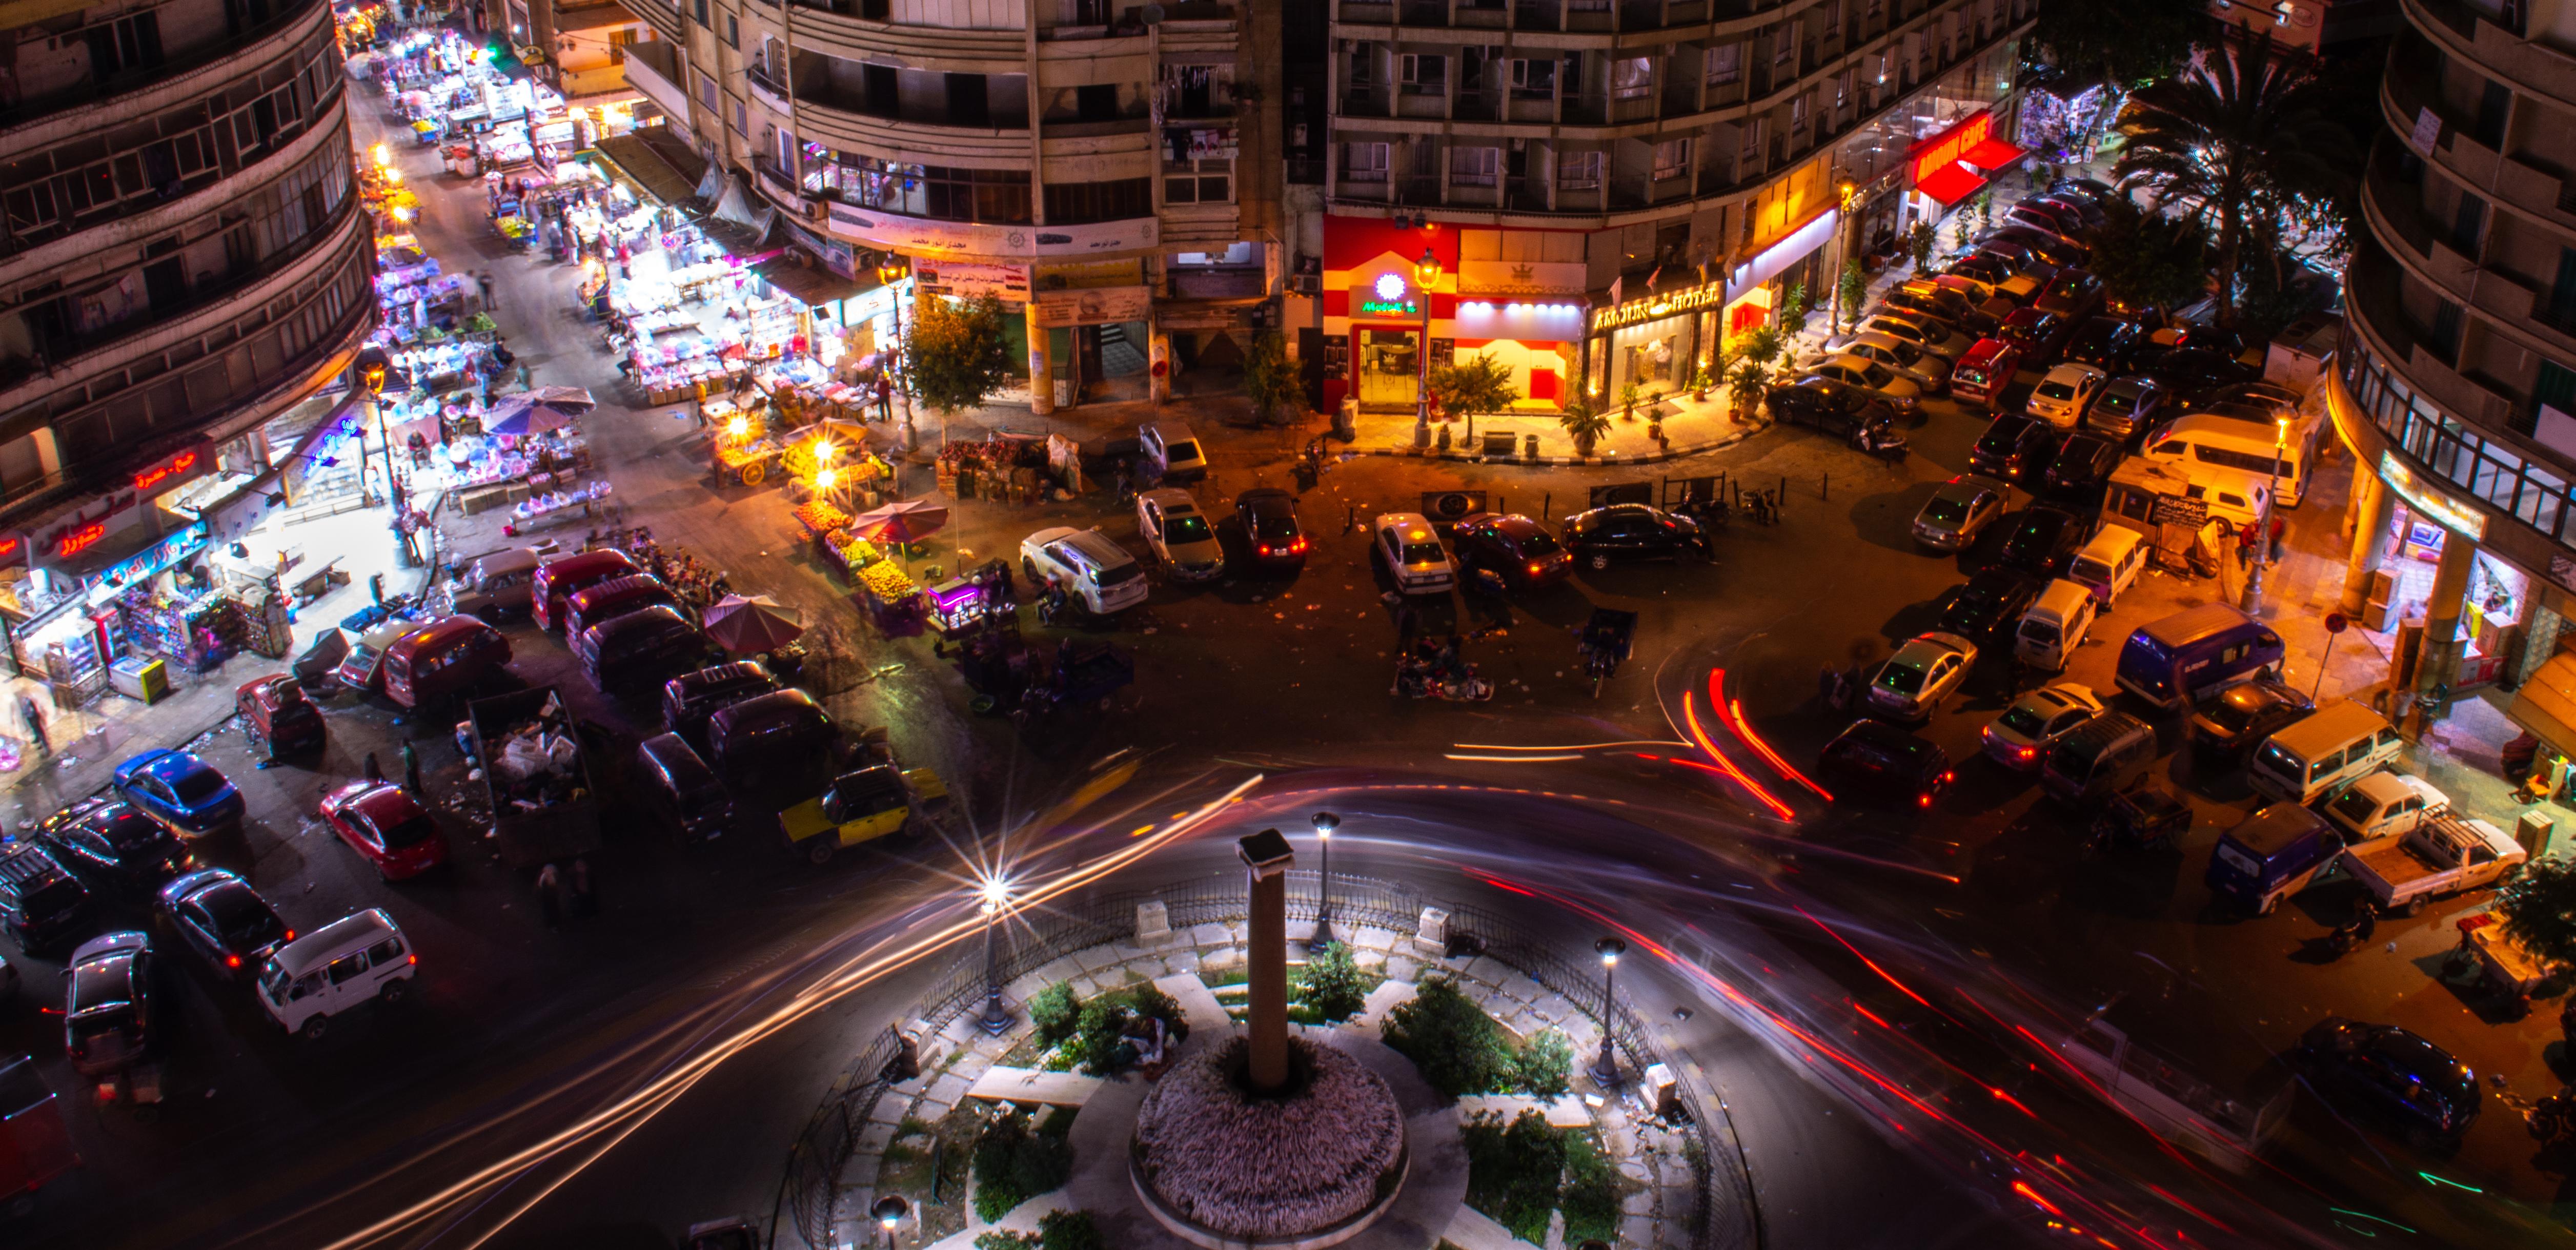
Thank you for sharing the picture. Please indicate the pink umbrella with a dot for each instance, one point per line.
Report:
(908, 521)
(748, 626)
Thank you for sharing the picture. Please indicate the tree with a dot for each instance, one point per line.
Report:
(1332, 985)
(2539, 910)
(1762, 345)
(1274, 383)
(2123, 41)
(2242, 127)
(1746, 384)
(1919, 242)
(2148, 260)
(1792, 314)
(955, 355)
(1456, 1047)
(1854, 292)
(1482, 384)
(1545, 1066)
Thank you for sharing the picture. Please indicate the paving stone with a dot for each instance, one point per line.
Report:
(1641, 1202)
(931, 1109)
(889, 1110)
(1370, 937)
(1182, 961)
(1636, 1170)
(1085, 985)
(1371, 960)
(1211, 935)
(873, 1140)
(1401, 968)
(952, 1087)
(1637, 1230)
(1061, 968)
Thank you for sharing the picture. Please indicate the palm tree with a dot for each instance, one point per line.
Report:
(2240, 129)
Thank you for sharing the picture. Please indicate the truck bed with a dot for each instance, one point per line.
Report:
(2388, 865)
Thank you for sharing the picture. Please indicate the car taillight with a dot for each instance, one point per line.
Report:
(290, 935)
(1297, 547)
(1535, 567)
(1924, 799)
(1945, 778)
(1265, 549)
(2026, 753)
(411, 959)
(232, 961)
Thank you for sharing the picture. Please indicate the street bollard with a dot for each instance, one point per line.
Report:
(1547, 505)
(1825, 486)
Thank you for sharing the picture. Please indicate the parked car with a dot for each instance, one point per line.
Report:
(1926, 669)
(2048, 245)
(1514, 547)
(2064, 393)
(2039, 213)
(1828, 405)
(110, 1012)
(2192, 372)
(2106, 343)
(2228, 724)
(1092, 568)
(2088, 211)
(2126, 407)
(1270, 524)
(41, 903)
(1987, 371)
(1927, 371)
(2073, 295)
(1958, 511)
(349, 962)
(388, 826)
(2040, 334)
(2083, 464)
(1989, 604)
(2271, 395)
(2019, 739)
(2221, 341)
(223, 920)
(1933, 335)
(2395, 1077)
(690, 699)
(1876, 760)
(1171, 451)
(1871, 377)
(1990, 268)
(2014, 447)
(108, 839)
(1631, 531)
(2092, 190)
(181, 791)
(1179, 534)
(1921, 296)
(1404, 544)
(2042, 539)
(277, 718)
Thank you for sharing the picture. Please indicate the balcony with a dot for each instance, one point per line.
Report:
(769, 92)
(652, 69)
(294, 19)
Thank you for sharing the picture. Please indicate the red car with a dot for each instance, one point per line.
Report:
(378, 820)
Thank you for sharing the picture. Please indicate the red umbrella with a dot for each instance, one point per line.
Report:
(747, 626)
(909, 521)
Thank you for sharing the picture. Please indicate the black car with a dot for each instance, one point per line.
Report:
(1837, 408)
(2040, 334)
(2219, 339)
(2087, 212)
(2106, 343)
(1876, 760)
(2052, 217)
(2229, 723)
(110, 1012)
(2090, 190)
(2072, 294)
(1991, 268)
(1987, 605)
(2040, 542)
(41, 904)
(2391, 1075)
(2014, 446)
(1631, 531)
(1514, 547)
(691, 699)
(1270, 523)
(217, 915)
(2084, 463)
(2056, 249)
(108, 839)
(2261, 394)
(2193, 371)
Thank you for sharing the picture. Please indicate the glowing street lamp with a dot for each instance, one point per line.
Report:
(2253, 600)
(889, 272)
(1605, 1070)
(1325, 823)
(996, 899)
(889, 1212)
(1426, 273)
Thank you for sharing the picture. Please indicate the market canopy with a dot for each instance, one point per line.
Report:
(1994, 155)
(746, 626)
(518, 416)
(1951, 183)
(907, 521)
(568, 398)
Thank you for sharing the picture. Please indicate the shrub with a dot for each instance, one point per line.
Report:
(1000, 1240)
(1332, 985)
(1014, 1163)
(1512, 1171)
(1545, 1066)
(1108, 1015)
(1054, 1012)
(1591, 1197)
(1457, 1047)
(1070, 1230)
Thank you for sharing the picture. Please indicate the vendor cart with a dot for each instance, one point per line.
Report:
(2491, 957)
(964, 606)
(745, 464)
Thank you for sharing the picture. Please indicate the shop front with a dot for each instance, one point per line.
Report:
(1956, 163)
(1389, 297)
(1390, 333)
(1659, 342)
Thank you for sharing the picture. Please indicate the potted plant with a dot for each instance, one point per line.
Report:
(1628, 397)
(1699, 384)
(1584, 424)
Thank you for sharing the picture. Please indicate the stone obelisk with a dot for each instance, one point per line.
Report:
(1267, 858)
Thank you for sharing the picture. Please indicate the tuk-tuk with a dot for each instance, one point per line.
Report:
(2143, 817)
(857, 807)
(276, 716)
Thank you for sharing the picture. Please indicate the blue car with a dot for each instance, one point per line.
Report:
(181, 791)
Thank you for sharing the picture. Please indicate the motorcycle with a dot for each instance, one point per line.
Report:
(1881, 443)
(2552, 1120)
(2354, 935)
(1418, 679)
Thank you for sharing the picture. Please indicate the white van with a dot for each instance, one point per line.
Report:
(2229, 495)
(2110, 562)
(2323, 753)
(347, 962)
(1092, 568)
(2227, 443)
(2055, 625)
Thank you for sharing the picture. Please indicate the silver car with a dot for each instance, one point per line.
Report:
(1938, 337)
(1927, 669)
(1862, 373)
(1924, 369)
(1959, 510)
(2125, 406)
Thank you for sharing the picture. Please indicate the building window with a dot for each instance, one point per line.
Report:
(2561, 309)
(1473, 167)
(1573, 73)
(2445, 331)
(942, 193)
(1075, 203)
(1203, 180)
(706, 91)
(1798, 111)
(1361, 162)
(1672, 159)
(733, 31)
(1725, 64)
(1363, 62)
(1423, 75)
(741, 119)
(1579, 171)
(2555, 388)
(2495, 103)
(1632, 78)
(2467, 223)
(1842, 91)
(1535, 80)
(699, 8)
(1784, 45)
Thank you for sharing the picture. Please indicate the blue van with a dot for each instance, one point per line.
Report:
(2174, 662)
(2271, 855)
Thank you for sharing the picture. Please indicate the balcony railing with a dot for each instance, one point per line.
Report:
(109, 86)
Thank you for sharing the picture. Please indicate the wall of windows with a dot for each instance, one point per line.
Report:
(938, 192)
(2496, 474)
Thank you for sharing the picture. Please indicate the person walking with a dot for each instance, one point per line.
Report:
(35, 720)
(485, 279)
(584, 901)
(375, 771)
(550, 900)
(411, 768)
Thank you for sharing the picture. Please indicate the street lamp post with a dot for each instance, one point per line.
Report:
(889, 273)
(2253, 599)
(1848, 192)
(1325, 823)
(1426, 273)
(1605, 1070)
(889, 1211)
(997, 898)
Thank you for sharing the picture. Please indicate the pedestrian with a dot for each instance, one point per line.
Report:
(411, 768)
(625, 258)
(550, 902)
(1408, 625)
(35, 724)
(585, 901)
(885, 395)
(485, 278)
(375, 771)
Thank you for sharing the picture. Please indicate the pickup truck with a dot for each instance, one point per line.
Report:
(2383, 805)
(2438, 857)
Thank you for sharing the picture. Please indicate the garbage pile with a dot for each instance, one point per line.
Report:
(537, 763)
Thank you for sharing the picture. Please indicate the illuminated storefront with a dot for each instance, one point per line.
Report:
(1957, 162)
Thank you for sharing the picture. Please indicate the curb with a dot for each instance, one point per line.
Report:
(1568, 462)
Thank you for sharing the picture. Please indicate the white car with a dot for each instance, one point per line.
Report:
(348, 962)
(1180, 534)
(1093, 569)
(1937, 337)
(1869, 375)
(2020, 738)
(1171, 445)
(1927, 669)
(1405, 544)
(2061, 397)
(1908, 361)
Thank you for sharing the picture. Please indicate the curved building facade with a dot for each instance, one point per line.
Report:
(183, 261)
(2456, 382)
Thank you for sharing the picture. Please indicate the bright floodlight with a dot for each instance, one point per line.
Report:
(1611, 949)
(996, 892)
(1325, 823)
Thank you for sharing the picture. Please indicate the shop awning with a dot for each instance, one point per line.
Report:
(1951, 183)
(1993, 155)
(645, 164)
(811, 285)
(2546, 704)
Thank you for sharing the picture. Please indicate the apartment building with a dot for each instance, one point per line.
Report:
(2455, 385)
(1600, 191)
(1111, 169)
(183, 267)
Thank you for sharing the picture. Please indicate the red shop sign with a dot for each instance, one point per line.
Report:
(81, 539)
(12, 548)
(1944, 149)
(173, 467)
